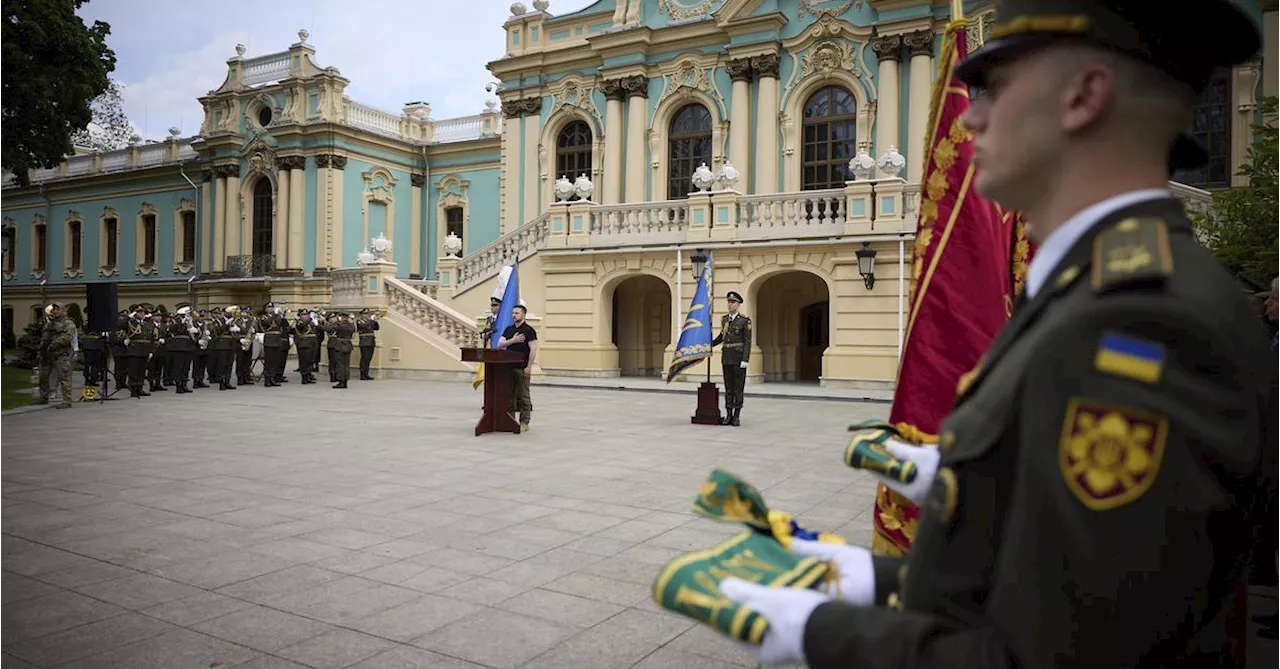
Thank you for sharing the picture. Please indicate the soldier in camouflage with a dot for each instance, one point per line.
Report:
(55, 354)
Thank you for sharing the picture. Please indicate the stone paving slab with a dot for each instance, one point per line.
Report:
(368, 528)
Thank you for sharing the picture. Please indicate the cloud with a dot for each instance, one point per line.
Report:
(431, 50)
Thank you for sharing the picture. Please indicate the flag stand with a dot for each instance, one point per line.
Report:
(708, 412)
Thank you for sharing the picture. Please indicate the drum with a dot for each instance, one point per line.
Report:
(256, 349)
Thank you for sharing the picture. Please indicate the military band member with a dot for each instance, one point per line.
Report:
(339, 331)
(226, 344)
(200, 366)
(119, 362)
(317, 319)
(248, 325)
(366, 327)
(180, 343)
(156, 362)
(735, 340)
(1091, 499)
(137, 337)
(307, 338)
(95, 357)
(272, 328)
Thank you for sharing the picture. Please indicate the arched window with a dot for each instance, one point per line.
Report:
(262, 214)
(1211, 129)
(829, 139)
(453, 225)
(573, 150)
(689, 145)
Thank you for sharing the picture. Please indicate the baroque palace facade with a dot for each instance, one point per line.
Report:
(583, 169)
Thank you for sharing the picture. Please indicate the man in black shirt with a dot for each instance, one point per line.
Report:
(521, 338)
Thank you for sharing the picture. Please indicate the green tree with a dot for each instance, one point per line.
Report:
(55, 66)
(1241, 228)
(76, 316)
(29, 346)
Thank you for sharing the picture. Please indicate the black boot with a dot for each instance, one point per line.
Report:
(341, 384)
(733, 420)
(140, 392)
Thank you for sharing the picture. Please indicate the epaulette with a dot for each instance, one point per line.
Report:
(1131, 252)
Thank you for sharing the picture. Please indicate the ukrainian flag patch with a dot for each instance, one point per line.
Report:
(1130, 357)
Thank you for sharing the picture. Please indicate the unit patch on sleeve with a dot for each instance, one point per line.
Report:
(1109, 454)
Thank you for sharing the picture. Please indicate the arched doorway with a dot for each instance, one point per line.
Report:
(641, 324)
(792, 320)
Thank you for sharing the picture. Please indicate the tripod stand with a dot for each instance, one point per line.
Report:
(102, 389)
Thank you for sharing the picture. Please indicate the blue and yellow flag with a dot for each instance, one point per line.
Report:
(510, 298)
(694, 344)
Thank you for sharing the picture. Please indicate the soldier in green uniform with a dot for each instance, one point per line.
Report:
(180, 342)
(495, 303)
(339, 331)
(248, 324)
(138, 337)
(735, 338)
(200, 365)
(274, 340)
(119, 364)
(307, 339)
(227, 334)
(1091, 499)
(55, 354)
(366, 327)
(94, 346)
(157, 361)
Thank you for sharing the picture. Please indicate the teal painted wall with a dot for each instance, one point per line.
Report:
(482, 205)
(354, 238)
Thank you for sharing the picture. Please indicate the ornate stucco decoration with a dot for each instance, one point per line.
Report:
(686, 9)
(689, 74)
(825, 7)
(577, 95)
(262, 160)
(378, 184)
(977, 27)
(829, 46)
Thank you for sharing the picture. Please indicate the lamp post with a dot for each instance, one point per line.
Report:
(699, 263)
(4, 262)
(867, 264)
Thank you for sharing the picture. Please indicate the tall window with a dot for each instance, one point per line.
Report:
(262, 210)
(453, 224)
(689, 145)
(829, 139)
(1212, 130)
(11, 248)
(73, 237)
(188, 236)
(149, 239)
(111, 238)
(573, 151)
(42, 247)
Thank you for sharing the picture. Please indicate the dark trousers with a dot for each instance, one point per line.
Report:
(155, 369)
(735, 378)
(136, 366)
(307, 360)
(121, 365)
(199, 365)
(179, 366)
(225, 358)
(340, 364)
(244, 364)
(366, 357)
(272, 362)
(521, 399)
(95, 362)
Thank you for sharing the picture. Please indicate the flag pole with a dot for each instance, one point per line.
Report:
(957, 10)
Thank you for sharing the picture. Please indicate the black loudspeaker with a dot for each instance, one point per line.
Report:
(103, 306)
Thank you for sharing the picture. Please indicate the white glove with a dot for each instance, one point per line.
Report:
(786, 609)
(375, 317)
(193, 330)
(291, 340)
(926, 458)
(743, 364)
(161, 340)
(126, 341)
(244, 340)
(235, 328)
(857, 583)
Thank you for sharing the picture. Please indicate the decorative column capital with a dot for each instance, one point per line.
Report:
(531, 106)
(334, 162)
(888, 47)
(206, 176)
(738, 69)
(637, 85)
(613, 89)
(418, 180)
(919, 43)
(226, 171)
(510, 108)
(766, 65)
(291, 162)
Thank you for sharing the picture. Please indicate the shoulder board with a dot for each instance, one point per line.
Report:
(1131, 252)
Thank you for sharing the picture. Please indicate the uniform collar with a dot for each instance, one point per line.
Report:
(1049, 254)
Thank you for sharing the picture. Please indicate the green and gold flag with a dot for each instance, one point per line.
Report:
(690, 584)
(726, 497)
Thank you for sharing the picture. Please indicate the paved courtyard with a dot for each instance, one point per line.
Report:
(310, 527)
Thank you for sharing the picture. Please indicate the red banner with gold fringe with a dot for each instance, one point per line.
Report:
(969, 261)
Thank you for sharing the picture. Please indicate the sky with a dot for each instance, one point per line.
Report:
(170, 53)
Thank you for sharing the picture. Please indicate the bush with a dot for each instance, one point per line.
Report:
(29, 346)
(73, 312)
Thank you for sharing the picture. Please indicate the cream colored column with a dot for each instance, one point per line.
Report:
(296, 188)
(740, 119)
(231, 228)
(889, 50)
(920, 45)
(637, 88)
(532, 193)
(510, 167)
(336, 191)
(206, 223)
(766, 166)
(415, 224)
(613, 142)
(323, 220)
(220, 220)
(280, 226)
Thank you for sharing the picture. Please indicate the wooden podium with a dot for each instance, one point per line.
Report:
(497, 388)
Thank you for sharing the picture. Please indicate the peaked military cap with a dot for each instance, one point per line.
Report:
(495, 301)
(1188, 44)
(735, 296)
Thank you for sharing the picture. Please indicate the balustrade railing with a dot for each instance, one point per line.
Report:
(437, 317)
(260, 264)
(656, 222)
(264, 69)
(489, 260)
(808, 213)
(459, 129)
(424, 286)
(371, 118)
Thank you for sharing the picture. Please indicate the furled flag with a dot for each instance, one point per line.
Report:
(694, 344)
(969, 261)
(509, 289)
